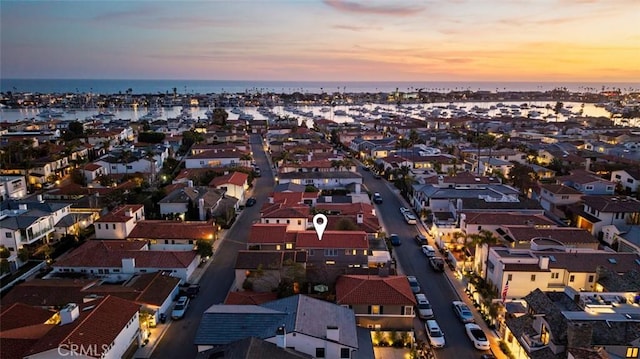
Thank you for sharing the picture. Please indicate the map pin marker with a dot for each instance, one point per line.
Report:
(319, 223)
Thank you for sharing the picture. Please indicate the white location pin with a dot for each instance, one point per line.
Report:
(320, 223)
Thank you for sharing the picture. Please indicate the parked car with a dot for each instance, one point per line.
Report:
(421, 240)
(462, 312)
(424, 307)
(428, 250)
(477, 336)
(180, 308)
(395, 240)
(437, 264)
(410, 218)
(251, 202)
(257, 171)
(377, 198)
(413, 283)
(404, 210)
(436, 336)
(189, 290)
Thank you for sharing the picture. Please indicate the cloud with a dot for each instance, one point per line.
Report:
(392, 9)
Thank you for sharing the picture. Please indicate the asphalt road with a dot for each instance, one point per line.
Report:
(412, 262)
(218, 278)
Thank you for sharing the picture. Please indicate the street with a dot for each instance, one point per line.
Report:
(413, 262)
(215, 283)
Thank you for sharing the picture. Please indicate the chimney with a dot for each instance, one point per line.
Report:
(587, 163)
(333, 333)
(40, 199)
(129, 212)
(309, 156)
(543, 262)
(201, 209)
(190, 183)
(128, 265)
(579, 335)
(281, 337)
(69, 313)
(359, 218)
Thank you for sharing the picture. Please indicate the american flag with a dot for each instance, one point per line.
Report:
(504, 291)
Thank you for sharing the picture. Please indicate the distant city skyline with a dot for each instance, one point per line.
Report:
(330, 40)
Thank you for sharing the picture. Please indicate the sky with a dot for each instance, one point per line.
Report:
(323, 40)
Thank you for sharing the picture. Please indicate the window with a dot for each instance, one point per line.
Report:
(631, 353)
(8, 234)
(319, 352)
(533, 277)
(289, 245)
(565, 197)
(299, 222)
(555, 275)
(510, 277)
(331, 252)
(99, 226)
(288, 221)
(588, 188)
(618, 177)
(311, 252)
(572, 278)
(479, 228)
(629, 180)
(591, 278)
(345, 353)
(374, 309)
(278, 247)
(330, 263)
(113, 226)
(129, 167)
(11, 249)
(408, 310)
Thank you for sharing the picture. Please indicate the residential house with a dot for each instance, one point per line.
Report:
(265, 271)
(92, 171)
(203, 203)
(526, 269)
(79, 330)
(12, 187)
(118, 223)
(324, 180)
(117, 260)
(599, 211)
(251, 348)
(573, 324)
(339, 252)
(269, 237)
(215, 158)
(629, 179)
(587, 182)
(361, 215)
(173, 235)
(28, 224)
(491, 166)
(379, 303)
(542, 172)
(296, 217)
(234, 184)
(622, 237)
(311, 326)
(555, 196)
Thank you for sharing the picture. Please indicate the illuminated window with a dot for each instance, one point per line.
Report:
(544, 334)
(375, 309)
(330, 263)
(278, 247)
(289, 245)
(632, 353)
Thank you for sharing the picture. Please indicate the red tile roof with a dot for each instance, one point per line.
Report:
(11, 348)
(98, 326)
(91, 167)
(268, 233)
(281, 210)
(21, 315)
(373, 290)
(48, 292)
(249, 298)
(119, 214)
(106, 254)
(332, 239)
(156, 229)
(235, 178)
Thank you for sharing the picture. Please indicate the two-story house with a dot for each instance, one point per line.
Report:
(379, 303)
(234, 184)
(554, 195)
(12, 187)
(315, 327)
(173, 235)
(118, 223)
(587, 183)
(628, 178)
(215, 158)
(599, 211)
(296, 217)
(324, 180)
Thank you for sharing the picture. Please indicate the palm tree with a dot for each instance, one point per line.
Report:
(478, 240)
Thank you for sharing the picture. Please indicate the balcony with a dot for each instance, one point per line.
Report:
(531, 343)
(32, 237)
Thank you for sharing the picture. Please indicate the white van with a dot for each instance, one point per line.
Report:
(428, 251)
(436, 336)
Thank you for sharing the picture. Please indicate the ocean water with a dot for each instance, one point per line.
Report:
(101, 86)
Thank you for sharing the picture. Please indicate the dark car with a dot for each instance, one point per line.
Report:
(395, 240)
(421, 240)
(251, 202)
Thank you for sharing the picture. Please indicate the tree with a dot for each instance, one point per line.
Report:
(151, 137)
(204, 248)
(522, 176)
(23, 254)
(220, 116)
(77, 177)
(346, 224)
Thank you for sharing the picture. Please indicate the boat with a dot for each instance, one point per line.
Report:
(48, 113)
